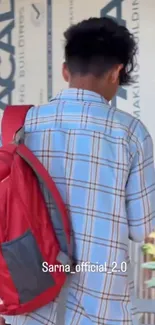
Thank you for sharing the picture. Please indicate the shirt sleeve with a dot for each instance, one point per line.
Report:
(140, 192)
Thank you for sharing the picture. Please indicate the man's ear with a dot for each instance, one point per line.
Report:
(116, 73)
(65, 72)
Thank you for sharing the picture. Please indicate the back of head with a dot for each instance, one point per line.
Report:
(97, 45)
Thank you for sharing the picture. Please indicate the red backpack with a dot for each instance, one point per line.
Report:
(27, 236)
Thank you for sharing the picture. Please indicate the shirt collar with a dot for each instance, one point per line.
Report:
(80, 95)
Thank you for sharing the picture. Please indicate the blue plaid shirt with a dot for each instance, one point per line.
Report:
(102, 162)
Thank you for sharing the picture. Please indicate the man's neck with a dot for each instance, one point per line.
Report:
(88, 83)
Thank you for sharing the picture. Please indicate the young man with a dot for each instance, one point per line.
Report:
(102, 162)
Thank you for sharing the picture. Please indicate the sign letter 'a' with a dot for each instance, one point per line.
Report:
(7, 51)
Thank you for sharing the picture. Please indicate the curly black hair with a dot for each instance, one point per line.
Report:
(96, 45)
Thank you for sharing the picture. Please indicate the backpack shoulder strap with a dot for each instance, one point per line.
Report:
(44, 176)
(12, 121)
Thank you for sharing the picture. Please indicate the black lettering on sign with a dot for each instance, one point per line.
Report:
(7, 84)
(115, 5)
